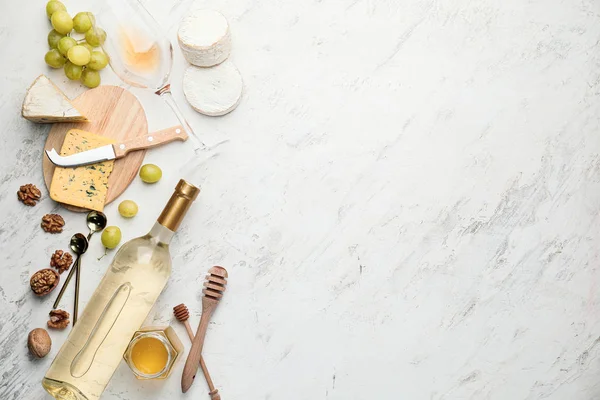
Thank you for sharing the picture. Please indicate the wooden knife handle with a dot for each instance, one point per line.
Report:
(150, 140)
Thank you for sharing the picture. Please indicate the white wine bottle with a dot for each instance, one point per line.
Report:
(118, 307)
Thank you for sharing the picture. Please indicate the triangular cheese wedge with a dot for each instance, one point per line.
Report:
(46, 103)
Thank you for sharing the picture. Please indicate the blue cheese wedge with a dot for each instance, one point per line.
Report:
(85, 186)
(45, 103)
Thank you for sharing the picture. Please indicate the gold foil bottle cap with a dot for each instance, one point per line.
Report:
(178, 205)
(187, 190)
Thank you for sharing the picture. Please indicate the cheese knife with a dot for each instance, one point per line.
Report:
(117, 150)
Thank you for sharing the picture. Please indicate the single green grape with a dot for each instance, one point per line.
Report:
(72, 71)
(82, 22)
(79, 55)
(53, 38)
(52, 6)
(98, 61)
(65, 44)
(90, 78)
(95, 36)
(128, 209)
(62, 22)
(111, 236)
(150, 173)
(54, 59)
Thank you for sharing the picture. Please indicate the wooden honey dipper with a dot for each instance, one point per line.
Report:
(182, 314)
(213, 291)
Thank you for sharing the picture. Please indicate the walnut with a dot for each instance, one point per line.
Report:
(59, 319)
(39, 343)
(44, 281)
(61, 261)
(29, 194)
(53, 223)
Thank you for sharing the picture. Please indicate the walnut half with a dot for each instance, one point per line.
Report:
(29, 194)
(44, 281)
(53, 223)
(61, 261)
(59, 319)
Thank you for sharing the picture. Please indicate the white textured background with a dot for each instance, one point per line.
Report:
(408, 203)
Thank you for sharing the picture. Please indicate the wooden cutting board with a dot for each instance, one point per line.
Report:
(112, 112)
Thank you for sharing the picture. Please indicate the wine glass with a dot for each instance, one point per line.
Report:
(139, 53)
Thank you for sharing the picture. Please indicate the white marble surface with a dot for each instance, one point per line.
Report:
(408, 203)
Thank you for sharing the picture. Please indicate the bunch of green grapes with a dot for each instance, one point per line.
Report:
(79, 58)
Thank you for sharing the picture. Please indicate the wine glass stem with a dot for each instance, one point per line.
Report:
(165, 93)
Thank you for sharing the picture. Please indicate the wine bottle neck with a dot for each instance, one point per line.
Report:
(161, 233)
(178, 205)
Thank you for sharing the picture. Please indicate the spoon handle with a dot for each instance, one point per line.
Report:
(191, 364)
(64, 286)
(77, 279)
(213, 392)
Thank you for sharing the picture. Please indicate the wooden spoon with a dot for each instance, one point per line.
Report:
(213, 291)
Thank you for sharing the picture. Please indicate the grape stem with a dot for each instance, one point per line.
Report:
(105, 253)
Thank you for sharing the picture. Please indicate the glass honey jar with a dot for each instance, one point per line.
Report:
(152, 352)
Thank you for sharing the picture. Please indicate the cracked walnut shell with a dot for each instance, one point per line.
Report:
(29, 194)
(44, 281)
(61, 261)
(53, 223)
(59, 319)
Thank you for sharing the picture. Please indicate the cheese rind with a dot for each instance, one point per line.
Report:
(204, 38)
(45, 103)
(85, 186)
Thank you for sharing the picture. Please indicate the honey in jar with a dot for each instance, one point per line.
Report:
(152, 352)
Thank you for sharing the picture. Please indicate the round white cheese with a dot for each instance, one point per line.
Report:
(213, 91)
(204, 38)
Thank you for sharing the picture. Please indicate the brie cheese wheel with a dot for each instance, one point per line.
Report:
(213, 91)
(204, 38)
(46, 103)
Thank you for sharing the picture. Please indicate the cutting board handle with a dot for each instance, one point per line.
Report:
(150, 140)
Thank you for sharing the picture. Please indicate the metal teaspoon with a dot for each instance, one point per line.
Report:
(78, 245)
(96, 221)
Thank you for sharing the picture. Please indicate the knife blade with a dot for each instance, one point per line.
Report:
(99, 154)
(118, 150)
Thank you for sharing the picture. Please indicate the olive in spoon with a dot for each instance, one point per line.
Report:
(79, 245)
